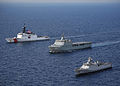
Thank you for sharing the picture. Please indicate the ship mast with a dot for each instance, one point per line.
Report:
(24, 27)
(62, 38)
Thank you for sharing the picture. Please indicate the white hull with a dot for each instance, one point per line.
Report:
(25, 36)
(68, 48)
(95, 69)
(12, 40)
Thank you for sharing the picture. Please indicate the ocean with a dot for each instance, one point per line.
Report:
(31, 64)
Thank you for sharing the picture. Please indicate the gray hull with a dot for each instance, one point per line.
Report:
(69, 48)
(82, 72)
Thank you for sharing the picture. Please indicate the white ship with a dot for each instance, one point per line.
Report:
(65, 45)
(26, 35)
(92, 66)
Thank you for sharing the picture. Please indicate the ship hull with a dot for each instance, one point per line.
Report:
(87, 71)
(15, 40)
(68, 48)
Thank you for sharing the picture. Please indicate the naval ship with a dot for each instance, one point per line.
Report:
(66, 45)
(92, 66)
(26, 35)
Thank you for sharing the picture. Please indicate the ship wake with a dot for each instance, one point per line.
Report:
(101, 44)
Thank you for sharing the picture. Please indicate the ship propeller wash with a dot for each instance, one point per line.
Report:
(92, 66)
(26, 35)
(66, 45)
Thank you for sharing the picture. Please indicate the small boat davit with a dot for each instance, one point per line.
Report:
(66, 45)
(92, 66)
(26, 35)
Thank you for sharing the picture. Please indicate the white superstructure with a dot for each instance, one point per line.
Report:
(92, 66)
(26, 36)
(65, 45)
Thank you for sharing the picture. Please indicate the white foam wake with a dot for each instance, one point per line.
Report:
(105, 43)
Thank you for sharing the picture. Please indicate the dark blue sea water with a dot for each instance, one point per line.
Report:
(31, 64)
